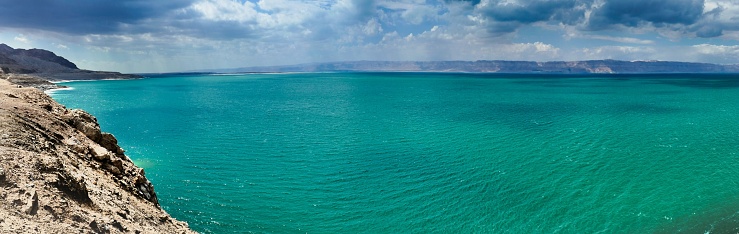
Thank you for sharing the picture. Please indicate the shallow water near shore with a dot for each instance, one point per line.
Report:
(420, 152)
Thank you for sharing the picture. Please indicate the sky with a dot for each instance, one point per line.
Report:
(138, 36)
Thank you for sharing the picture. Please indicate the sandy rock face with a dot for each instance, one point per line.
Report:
(60, 174)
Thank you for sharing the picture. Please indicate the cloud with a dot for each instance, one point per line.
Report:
(537, 47)
(526, 11)
(628, 40)
(82, 16)
(634, 13)
(22, 39)
(445, 43)
(707, 53)
(225, 10)
(372, 27)
(716, 53)
(471, 2)
(716, 49)
(617, 52)
(419, 14)
(719, 17)
(323, 19)
(693, 18)
(185, 34)
(709, 30)
(506, 16)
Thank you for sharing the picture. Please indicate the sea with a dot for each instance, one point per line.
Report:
(431, 152)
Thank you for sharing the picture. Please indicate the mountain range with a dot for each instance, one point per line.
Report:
(498, 66)
(49, 66)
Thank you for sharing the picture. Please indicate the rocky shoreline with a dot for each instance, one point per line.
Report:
(27, 80)
(60, 174)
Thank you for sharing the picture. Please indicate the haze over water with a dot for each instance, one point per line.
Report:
(417, 152)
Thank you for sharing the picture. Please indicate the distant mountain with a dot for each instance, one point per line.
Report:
(500, 66)
(47, 65)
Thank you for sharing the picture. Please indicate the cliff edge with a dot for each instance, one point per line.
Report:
(60, 174)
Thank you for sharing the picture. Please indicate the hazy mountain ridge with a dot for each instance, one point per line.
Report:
(500, 66)
(49, 66)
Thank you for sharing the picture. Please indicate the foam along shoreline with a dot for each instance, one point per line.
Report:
(78, 80)
(61, 174)
(61, 87)
(52, 91)
(44, 83)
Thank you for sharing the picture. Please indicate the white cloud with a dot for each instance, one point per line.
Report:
(372, 27)
(418, 14)
(22, 39)
(226, 10)
(535, 49)
(629, 40)
(546, 48)
(715, 53)
(626, 49)
(729, 9)
(615, 52)
(716, 49)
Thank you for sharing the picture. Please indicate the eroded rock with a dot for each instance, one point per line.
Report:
(73, 186)
(84, 122)
(32, 207)
(109, 142)
(60, 174)
(100, 153)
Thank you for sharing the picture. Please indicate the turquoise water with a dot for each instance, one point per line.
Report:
(420, 153)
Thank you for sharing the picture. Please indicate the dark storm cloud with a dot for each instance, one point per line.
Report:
(673, 14)
(174, 17)
(634, 13)
(82, 16)
(508, 17)
(473, 2)
(529, 11)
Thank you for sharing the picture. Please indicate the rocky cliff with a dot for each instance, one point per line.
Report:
(60, 174)
(48, 66)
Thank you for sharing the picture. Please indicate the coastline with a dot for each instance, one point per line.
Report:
(31, 80)
(75, 80)
(59, 87)
(52, 91)
(61, 174)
